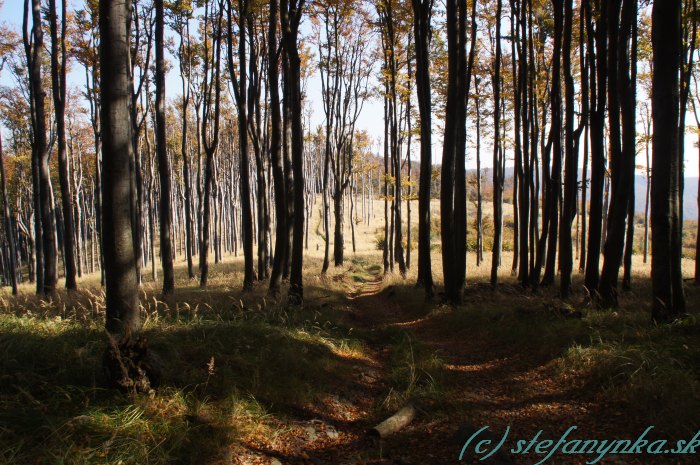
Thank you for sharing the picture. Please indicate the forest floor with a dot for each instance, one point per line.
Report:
(248, 380)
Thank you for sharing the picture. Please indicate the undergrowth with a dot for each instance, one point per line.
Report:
(233, 369)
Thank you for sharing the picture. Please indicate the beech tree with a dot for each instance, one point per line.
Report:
(498, 156)
(667, 282)
(239, 82)
(453, 202)
(422, 14)
(210, 125)
(122, 295)
(291, 14)
(281, 230)
(181, 13)
(622, 17)
(59, 59)
(344, 65)
(45, 231)
(164, 169)
(237, 160)
(9, 233)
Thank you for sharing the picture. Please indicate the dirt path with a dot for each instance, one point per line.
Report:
(489, 384)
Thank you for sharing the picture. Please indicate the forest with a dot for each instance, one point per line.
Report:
(349, 232)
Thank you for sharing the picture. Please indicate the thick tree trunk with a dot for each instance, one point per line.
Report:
(449, 155)
(523, 160)
(120, 261)
(553, 185)
(453, 202)
(668, 300)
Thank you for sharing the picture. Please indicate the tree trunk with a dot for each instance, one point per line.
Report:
(498, 171)
(453, 183)
(210, 145)
(185, 72)
(668, 295)
(281, 237)
(599, 75)
(571, 162)
(58, 83)
(43, 203)
(9, 234)
(647, 176)
(166, 218)
(291, 17)
(479, 214)
(338, 223)
(553, 183)
(622, 97)
(120, 261)
(246, 206)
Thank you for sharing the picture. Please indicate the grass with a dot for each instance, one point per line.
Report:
(234, 369)
(415, 375)
(616, 358)
(243, 370)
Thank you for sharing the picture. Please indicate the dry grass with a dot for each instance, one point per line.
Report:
(241, 367)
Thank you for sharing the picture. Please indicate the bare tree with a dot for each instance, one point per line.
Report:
(166, 218)
(58, 83)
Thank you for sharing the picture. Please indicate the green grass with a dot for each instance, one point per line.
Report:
(416, 374)
(228, 374)
(240, 367)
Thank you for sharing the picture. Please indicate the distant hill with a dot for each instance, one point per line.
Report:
(690, 192)
(690, 196)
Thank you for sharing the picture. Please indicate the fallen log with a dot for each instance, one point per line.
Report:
(394, 423)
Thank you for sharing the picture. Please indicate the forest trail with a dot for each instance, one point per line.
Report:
(485, 382)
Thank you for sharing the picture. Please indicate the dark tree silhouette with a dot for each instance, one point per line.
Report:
(621, 103)
(281, 231)
(291, 13)
(669, 299)
(498, 158)
(120, 261)
(599, 79)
